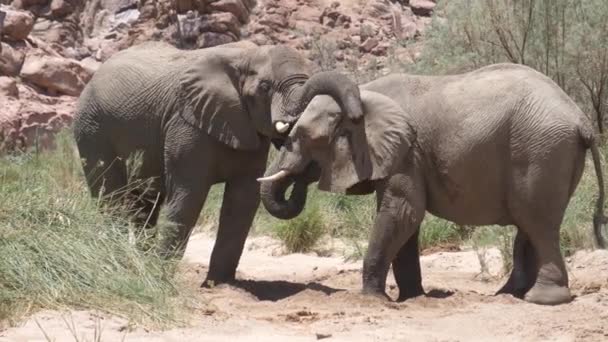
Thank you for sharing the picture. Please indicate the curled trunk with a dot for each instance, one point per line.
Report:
(337, 85)
(274, 196)
(274, 193)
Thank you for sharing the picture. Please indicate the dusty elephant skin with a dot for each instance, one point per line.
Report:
(198, 118)
(500, 145)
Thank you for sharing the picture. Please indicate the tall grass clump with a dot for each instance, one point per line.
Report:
(301, 234)
(58, 250)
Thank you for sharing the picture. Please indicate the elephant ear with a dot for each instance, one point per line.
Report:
(210, 100)
(369, 150)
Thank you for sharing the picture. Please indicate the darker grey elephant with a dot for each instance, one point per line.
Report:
(197, 118)
(500, 145)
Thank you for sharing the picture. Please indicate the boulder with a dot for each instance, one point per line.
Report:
(422, 7)
(8, 87)
(209, 39)
(274, 21)
(57, 75)
(369, 44)
(220, 22)
(10, 60)
(61, 8)
(90, 64)
(236, 7)
(17, 24)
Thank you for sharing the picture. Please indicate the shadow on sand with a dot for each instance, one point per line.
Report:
(279, 289)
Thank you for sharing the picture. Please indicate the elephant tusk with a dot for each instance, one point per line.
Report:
(279, 175)
(281, 126)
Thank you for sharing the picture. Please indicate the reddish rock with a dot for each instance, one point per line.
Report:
(339, 55)
(220, 22)
(308, 14)
(17, 24)
(381, 49)
(10, 60)
(55, 74)
(236, 7)
(61, 8)
(275, 21)
(8, 87)
(208, 39)
(422, 7)
(369, 44)
(33, 119)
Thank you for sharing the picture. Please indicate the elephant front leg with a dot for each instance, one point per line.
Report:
(401, 208)
(240, 203)
(406, 269)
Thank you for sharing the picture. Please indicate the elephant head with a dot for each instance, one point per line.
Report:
(344, 156)
(241, 92)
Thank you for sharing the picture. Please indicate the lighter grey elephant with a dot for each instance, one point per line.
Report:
(197, 118)
(500, 145)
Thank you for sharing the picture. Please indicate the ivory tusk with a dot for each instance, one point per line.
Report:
(279, 175)
(281, 127)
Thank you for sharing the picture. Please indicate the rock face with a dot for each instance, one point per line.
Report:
(8, 87)
(17, 24)
(49, 49)
(55, 74)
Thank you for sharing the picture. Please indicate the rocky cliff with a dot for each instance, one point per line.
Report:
(50, 48)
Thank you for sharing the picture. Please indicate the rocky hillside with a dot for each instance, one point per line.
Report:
(50, 48)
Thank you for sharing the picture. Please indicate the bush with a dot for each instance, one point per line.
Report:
(566, 40)
(302, 233)
(57, 249)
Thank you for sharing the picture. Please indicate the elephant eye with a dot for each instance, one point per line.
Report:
(264, 86)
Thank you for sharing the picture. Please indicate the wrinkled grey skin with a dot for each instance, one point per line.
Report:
(501, 145)
(200, 117)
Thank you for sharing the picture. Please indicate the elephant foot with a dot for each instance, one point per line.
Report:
(548, 295)
(375, 293)
(212, 281)
(408, 293)
(509, 288)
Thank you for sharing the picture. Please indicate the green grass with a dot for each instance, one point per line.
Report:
(301, 234)
(58, 250)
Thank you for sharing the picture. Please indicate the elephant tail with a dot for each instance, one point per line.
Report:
(599, 219)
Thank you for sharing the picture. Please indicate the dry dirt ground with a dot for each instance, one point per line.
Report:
(300, 297)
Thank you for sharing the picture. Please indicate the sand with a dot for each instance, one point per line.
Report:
(300, 297)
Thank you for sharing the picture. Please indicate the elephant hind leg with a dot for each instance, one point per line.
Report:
(145, 205)
(541, 224)
(523, 274)
(105, 172)
(406, 269)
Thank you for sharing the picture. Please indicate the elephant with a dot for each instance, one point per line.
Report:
(501, 145)
(195, 118)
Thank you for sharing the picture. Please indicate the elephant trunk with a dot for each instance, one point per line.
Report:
(337, 85)
(273, 192)
(273, 196)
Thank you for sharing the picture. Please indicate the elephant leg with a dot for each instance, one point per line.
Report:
(186, 187)
(551, 283)
(239, 205)
(406, 269)
(106, 173)
(523, 274)
(401, 208)
(538, 200)
(145, 203)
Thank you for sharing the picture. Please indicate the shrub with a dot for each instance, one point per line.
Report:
(57, 249)
(302, 233)
(565, 39)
